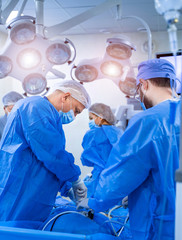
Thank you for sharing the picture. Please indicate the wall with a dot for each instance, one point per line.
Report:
(105, 91)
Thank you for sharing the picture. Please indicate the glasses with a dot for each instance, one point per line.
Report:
(137, 92)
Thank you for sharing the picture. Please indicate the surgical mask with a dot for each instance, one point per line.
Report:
(142, 105)
(92, 124)
(67, 117)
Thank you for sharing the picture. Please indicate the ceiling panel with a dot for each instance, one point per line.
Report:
(58, 11)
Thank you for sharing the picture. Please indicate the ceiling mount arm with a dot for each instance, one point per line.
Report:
(148, 33)
(6, 12)
(39, 8)
(22, 8)
(62, 27)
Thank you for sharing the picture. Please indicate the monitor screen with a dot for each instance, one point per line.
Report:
(177, 62)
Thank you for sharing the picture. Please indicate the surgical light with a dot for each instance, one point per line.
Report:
(114, 65)
(5, 66)
(119, 48)
(86, 73)
(23, 31)
(29, 58)
(128, 86)
(111, 69)
(34, 84)
(32, 55)
(58, 53)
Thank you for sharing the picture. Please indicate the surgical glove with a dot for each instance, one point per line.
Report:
(79, 189)
(71, 195)
(125, 202)
(83, 204)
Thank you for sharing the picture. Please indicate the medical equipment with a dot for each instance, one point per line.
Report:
(170, 10)
(29, 55)
(114, 65)
(32, 56)
(125, 112)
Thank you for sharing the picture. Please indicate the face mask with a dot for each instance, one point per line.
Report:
(92, 124)
(142, 105)
(67, 117)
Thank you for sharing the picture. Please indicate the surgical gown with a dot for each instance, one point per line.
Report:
(147, 157)
(34, 165)
(3, 121)
(97, 144)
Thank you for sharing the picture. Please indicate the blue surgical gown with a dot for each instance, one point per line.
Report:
(97, 144)
(3, 121)
(142, 154)
(34, 165)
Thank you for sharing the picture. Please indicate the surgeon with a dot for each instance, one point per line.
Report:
(98, 142)
(147, 157)
(8, 101)
(34, 164)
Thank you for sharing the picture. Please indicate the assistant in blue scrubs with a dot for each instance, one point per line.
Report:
(146, 156)
(98, 143)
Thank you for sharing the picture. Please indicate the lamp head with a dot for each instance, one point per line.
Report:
(28, 56)
(119, 48)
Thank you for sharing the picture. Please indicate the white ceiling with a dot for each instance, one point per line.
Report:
(58, 11)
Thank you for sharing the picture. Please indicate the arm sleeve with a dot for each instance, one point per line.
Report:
(131, 167)
(47, 143)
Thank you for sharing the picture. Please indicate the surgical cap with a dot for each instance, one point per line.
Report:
(76, 90)
(11, 98)
(156, 68)
(103, 111)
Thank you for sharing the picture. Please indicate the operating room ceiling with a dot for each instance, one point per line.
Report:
(58, 11)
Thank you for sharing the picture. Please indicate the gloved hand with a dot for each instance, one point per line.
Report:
(71, 195)
(79, 189)
(83, 204)
(125, 202)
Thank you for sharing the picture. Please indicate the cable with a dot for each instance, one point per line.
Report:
(58, 215)
(118, 233)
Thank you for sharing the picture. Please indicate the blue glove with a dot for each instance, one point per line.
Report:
(79, 189)
(83, 204)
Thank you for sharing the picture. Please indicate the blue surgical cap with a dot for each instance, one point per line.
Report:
(11, 98)
(155, 68)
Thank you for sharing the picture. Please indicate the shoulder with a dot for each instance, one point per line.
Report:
(94, 136)
(155, 120)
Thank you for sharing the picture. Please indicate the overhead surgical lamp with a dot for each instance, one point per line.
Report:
(115, 65)
(32, 55)
(119, 48)
(22, 32)
(87, 70)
